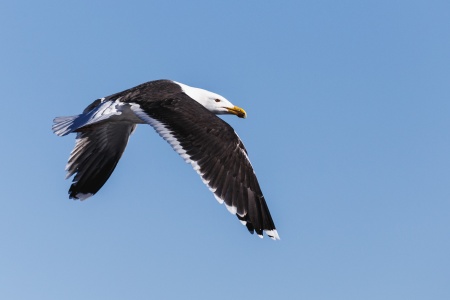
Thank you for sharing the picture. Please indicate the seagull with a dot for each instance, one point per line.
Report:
(186, 118)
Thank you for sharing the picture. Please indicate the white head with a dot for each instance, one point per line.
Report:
(212, 101)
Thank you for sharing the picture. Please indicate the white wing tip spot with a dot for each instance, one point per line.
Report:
(218, 199)
(231, 209)
(82, 196)
(273, 234)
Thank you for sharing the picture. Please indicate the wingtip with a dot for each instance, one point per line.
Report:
(273, 234)
(81, 196)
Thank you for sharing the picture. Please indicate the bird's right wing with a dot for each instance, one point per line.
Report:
(97, 151)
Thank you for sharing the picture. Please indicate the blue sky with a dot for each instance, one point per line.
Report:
(348, 131)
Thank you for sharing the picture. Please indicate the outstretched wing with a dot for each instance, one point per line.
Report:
(215, 151)
(102, 131)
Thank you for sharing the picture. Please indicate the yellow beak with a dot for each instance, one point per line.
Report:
(237, 111)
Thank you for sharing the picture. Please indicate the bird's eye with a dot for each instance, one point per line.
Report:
(217, 100)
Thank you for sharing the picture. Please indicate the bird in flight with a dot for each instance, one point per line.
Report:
(186, 118)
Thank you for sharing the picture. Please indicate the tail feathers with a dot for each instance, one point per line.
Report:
(96, 112)
(64, 125)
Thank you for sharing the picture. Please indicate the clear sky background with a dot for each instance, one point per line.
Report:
(348, 130)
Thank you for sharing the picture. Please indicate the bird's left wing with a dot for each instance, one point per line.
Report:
(215, 151)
